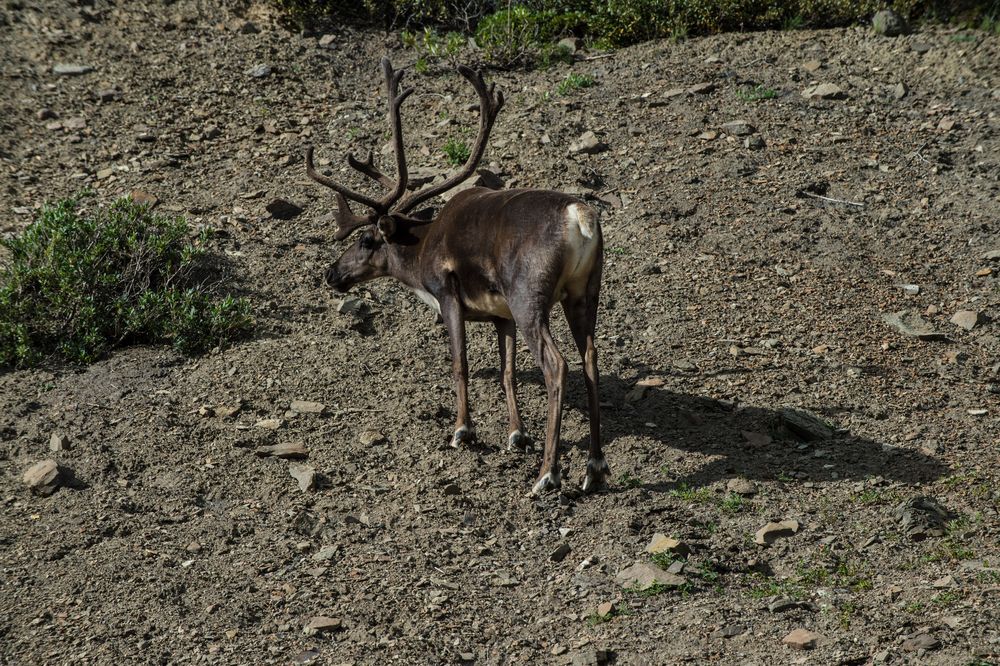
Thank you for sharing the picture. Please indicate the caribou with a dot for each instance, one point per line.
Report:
(502, 256)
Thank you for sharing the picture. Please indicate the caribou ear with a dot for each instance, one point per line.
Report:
(423, 215)
(386, 226)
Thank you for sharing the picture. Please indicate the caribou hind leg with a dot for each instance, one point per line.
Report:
(533, 321)
(581, 314)
(507, 341)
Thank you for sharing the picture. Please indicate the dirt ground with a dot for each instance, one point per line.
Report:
(732, 291)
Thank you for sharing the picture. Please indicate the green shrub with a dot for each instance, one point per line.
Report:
(74, 286)
(522, 32)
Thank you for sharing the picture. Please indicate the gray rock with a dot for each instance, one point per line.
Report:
(589, 657)
(44, 477)
(144, 198)
(109, 95)
(920, 642)
(738, 128)
(322, 624)
(782, 604)
(992, 255)
(923, 516)
(481, 178)
(304, 475)
(327, 41)
(741, 487)
(889, 23)
(569, 44)
(282, 209)
(259, 71)
(58, 442)
(754, 142)
(643, 575)
(420, 176)
(805, 426)
(824, 91)
(325, 554)
(587, 144)
(560, 553)
(353, 306)
(661, 543)
(730, 631)
(371, 438)
(771, 532)
(898, 91)
(307, 407)
(68, 69)
(290, 450)
(802, 639)
(701, 88)
(913, 325)
(945, 582)
(967, 319)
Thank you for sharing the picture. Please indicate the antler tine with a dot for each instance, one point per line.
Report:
(337, 187)
(396, 98)
(490, 103)
(347, 221)
(367, 167)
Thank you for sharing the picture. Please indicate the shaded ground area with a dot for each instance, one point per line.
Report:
(731, 293)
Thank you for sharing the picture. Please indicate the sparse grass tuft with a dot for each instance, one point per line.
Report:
(732, 503)
(757, 93)
(664, 559)
(769, 587)
(75, 286)
(629, 481)
(651, 591)
(694, 495)
(574, 82)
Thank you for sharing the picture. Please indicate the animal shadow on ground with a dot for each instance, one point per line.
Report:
(742, 441)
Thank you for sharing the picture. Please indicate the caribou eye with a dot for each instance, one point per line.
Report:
(367, 242)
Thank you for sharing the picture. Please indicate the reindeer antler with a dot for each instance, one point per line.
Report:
(367, 167)
(348, 221)
(490, 103)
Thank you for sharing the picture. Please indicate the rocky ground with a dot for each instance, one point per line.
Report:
(798, 327)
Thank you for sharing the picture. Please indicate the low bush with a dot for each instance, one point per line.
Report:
(510, 32)
(73, 286)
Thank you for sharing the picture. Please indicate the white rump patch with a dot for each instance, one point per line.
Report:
(582, 228)
(582, 218)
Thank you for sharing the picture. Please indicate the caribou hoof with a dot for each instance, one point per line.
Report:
(463, 434)
(519, 441)
(546, 483)
(597, 474)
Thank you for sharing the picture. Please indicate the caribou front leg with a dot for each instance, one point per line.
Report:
(451, 312)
